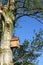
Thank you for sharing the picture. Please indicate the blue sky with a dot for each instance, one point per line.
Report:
(25, 31)
(27, 26)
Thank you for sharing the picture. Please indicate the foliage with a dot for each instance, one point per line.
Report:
(33, 8)
(28, 53)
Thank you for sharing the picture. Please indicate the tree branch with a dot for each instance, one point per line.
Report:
(21, 15)
(31, 14)
(38, 20)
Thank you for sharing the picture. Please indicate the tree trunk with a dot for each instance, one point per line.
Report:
(6, 55)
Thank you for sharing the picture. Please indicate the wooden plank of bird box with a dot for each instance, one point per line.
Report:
(14, 42)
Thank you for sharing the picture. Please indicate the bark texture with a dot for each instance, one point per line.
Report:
(6, 55)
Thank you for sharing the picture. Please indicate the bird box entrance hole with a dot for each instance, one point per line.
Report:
(14, 42)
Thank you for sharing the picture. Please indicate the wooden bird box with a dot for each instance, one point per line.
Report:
(14, 42)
